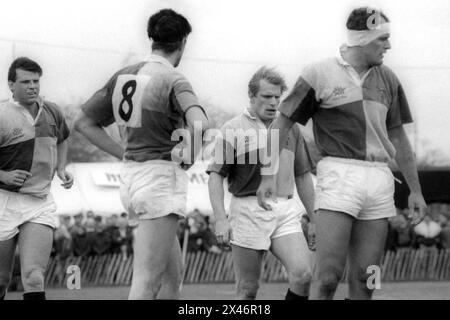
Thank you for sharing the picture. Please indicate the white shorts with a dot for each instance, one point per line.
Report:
(17, 209)
(153, 189)
(254, 228)
(362, 189)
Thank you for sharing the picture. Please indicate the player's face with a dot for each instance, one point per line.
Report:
(375, 50)
(26, 87)
(265, 102)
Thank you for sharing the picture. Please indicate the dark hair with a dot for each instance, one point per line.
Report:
(359, 18)
(167, 29)
(270, 75)
(23, 63)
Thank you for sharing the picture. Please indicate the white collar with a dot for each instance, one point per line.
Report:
(339, 57)
(252, 117)
(40, 102)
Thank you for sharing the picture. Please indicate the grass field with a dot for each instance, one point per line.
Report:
(268, 291)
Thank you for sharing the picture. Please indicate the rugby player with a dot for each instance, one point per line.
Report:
(251, 230)
(358, 107)
(33, 146)
(150, 100)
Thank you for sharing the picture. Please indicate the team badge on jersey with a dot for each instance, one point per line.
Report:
(127, 99)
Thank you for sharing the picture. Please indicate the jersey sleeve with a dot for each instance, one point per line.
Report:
(303, 162)
(63, 128)
(223, 155)
(399, 112)
(301, 102)
(99, 106)
(183, 95)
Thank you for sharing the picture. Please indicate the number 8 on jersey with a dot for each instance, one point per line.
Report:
(127, 99)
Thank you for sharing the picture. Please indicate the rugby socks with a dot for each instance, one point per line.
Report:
(34, 295)
(292, 296)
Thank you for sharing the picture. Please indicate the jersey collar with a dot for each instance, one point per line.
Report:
(160, 59)
(249, 115)
(40, 103)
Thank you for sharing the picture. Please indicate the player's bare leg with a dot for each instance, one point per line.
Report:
(366, 249)
(7, 250)
(152, 251)
(170, 288)
(333, 230)
(247, 269)
(292, 251)
(35, 245)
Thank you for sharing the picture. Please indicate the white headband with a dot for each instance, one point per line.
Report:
(356, 38)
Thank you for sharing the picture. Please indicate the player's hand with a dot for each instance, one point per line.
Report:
(66, 178)
(312, 236)
(417, 208)
(309, 232)
(15, 177)
(267, 190)
(223, 232)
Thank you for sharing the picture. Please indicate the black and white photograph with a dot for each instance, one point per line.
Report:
(230, 150)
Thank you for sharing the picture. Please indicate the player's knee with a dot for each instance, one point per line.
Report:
(248, 289)
(329, 281)
(300, 276)
(33, 277)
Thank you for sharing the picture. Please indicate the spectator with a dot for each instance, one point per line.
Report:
(122, 238)
(101, 240)
(62, 246)
(81, 243)
(404, 235)
(445, 235)
(201, 236)
(62, 238)
(427, 233)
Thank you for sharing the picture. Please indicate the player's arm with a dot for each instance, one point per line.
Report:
(298, 106)
(65, 176)
(95, 133)
(305, 190)
(407, 165)
(216, 196)
(197, 123)
(276, 137)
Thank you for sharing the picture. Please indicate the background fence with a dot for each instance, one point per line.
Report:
(204, 267)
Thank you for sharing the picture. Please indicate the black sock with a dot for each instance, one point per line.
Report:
(3, 296)
(34, 295)
(347, 299)
(292, 296)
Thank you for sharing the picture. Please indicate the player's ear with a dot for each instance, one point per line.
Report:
(11, 86)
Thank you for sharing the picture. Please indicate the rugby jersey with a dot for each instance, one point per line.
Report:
(148, 101)
(351, 115)
(31, 144)
(242, 151)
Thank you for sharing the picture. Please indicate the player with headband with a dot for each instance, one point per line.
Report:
(358, 108)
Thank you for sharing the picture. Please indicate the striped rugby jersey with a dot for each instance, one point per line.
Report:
(31, 144)
(148, 101)
(244, 146)
(351, 115)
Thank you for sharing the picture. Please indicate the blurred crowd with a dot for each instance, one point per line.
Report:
(90, 234)
(432, 232)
